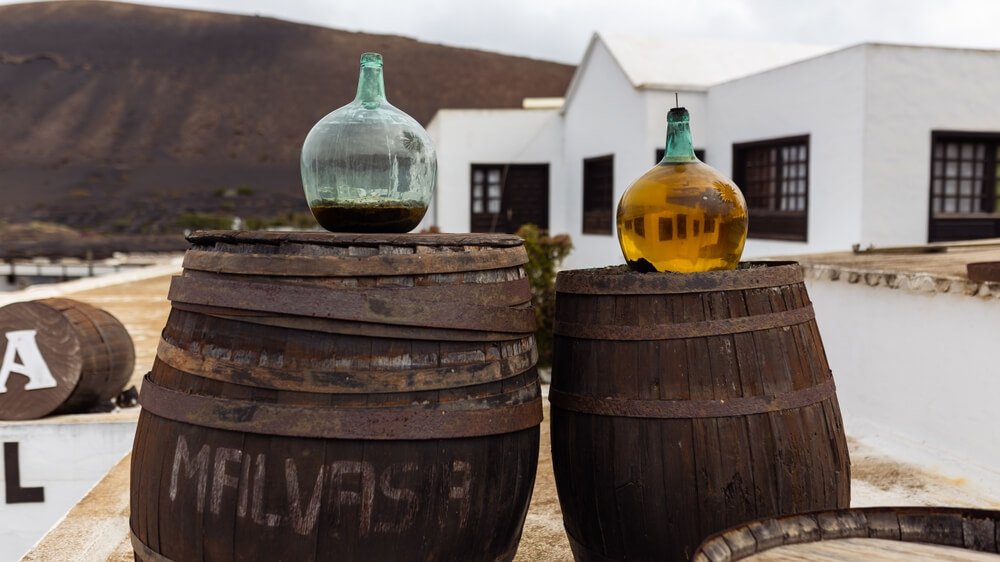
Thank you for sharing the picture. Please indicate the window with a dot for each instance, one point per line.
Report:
(598, 192)
(699, 153)
(774, 178)
(505, 196)
(486, 181)
(965, 186)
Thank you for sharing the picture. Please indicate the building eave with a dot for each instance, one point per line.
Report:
(574, 83)
(673, 87)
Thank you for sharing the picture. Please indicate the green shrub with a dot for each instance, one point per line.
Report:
(204, 221)
(122, 224)
(299, 220)
(545, 255)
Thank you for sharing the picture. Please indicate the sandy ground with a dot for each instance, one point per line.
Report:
(544, 538)
(142, 306)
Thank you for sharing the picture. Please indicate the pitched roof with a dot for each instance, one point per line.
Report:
(696, 64)
(658, 63)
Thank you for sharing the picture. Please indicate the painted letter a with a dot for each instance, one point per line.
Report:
(21, 343)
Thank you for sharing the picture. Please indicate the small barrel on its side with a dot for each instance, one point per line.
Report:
(861, 535)
(685, 404)
(340, 397)
(60, 356)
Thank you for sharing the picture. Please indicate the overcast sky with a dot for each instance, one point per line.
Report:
(559, 29)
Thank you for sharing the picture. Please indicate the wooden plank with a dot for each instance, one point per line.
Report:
(602, 441)
(357, 264)
(245, 238)
(979, 533)
(869, 550)
(623, 369)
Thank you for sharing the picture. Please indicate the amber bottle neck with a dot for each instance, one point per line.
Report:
(680, 147)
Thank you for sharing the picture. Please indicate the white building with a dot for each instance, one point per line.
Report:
(848, 134)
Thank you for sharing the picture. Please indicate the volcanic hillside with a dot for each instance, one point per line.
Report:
(126, 118)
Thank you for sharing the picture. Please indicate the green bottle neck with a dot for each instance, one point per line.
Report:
(371, 87)
(680, 147)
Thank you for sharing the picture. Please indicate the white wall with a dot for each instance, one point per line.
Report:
(917, 374)
(912, 91)
(491, 136)
(66, 456)
(606, 115)
(822, 97)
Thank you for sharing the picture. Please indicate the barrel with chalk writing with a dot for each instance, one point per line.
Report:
(60, 356)
(325, 396)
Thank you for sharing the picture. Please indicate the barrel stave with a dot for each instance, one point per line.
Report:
(303, 353)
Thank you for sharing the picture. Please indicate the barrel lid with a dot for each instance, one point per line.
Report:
(40, 359)
(207, 237)
(620, 280)
(971, 529)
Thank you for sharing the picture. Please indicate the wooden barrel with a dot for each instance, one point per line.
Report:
(683, 404)
(60, 356)
(861, 535)
(340, 397)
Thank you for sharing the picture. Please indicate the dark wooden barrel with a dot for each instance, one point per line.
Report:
(340, 397)
(683, 404)
(60, 356)
(862, 535)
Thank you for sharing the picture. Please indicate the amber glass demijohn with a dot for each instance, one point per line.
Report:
(682, 215)
(368, 167)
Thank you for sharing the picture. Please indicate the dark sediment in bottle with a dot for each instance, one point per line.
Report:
(392, 216)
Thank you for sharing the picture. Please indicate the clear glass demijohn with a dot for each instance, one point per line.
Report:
(368, 167)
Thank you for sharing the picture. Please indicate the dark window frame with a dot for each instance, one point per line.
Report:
(968, 224)
(769, 221)
(485, 198)
(507, 197)
(598, 198)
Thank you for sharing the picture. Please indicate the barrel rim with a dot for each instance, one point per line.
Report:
(144, 553)
(739, 406)
(883, 522)
(345, 327)
(378, 307)
(619, 280)
(377, 424)
(347, 381)
(208, 237)
(685, 330)
(291, 265)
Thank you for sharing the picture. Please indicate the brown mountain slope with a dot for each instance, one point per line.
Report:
(122, 117)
